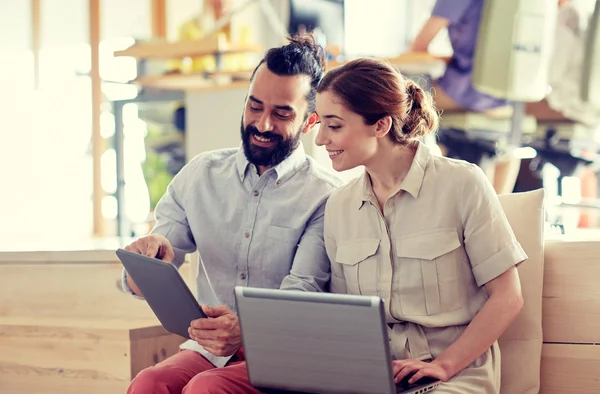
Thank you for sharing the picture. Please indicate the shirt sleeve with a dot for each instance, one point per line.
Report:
(453, 10)
(126, 287)
(310, 268)
(489, 240)
(338, 280)
(171, 222)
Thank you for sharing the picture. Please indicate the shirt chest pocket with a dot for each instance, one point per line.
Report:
(428, 272)
(278, 251)
(359, 262)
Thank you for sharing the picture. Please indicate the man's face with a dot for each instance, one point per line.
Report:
(275, 116)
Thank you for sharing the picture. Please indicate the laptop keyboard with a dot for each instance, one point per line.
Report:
(404, 386)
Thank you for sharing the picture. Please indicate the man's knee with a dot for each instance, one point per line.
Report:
(217, 382)
(207, 383)
(151, 381)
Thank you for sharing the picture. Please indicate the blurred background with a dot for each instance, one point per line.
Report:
(102, 102)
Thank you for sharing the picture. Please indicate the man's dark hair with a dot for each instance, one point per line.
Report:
(302, 56)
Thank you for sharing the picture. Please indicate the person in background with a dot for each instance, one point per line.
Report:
(425, 233)
(564, 103)
(454, 91)
(254, 214)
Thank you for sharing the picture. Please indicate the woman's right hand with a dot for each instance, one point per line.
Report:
(415, 370)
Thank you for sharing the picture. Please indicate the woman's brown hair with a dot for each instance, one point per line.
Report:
(374, 89)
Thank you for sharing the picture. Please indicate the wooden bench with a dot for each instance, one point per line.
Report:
(66, 326)
(571, 318)
(49, 355)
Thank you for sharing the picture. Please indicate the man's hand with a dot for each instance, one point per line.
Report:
(220, 334)
(418, 369)
(153, 245)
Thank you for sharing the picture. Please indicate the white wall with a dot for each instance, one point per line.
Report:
(15, 26)
(64, 23)
(213, 120)
(376, 27)
(131, 18)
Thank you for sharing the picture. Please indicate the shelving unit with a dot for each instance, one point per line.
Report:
(172, 87)
(195, 81)
(214, 45)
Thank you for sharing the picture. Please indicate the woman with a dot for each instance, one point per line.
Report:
(425, 233)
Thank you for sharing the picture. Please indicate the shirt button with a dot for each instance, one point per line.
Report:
(242, 276)
(246, 234)
(279, 182)
(255, 193)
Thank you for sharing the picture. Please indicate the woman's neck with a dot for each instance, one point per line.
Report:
(389, 168)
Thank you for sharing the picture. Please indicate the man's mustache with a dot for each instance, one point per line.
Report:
(251, 130)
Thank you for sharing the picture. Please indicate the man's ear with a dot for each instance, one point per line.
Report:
(313, 119)
(383, 126)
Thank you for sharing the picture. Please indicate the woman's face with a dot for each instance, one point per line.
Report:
(349, 141)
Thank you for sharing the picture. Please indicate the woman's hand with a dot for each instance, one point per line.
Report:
(418, 369)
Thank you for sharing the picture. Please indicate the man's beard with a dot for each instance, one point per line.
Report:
(267, 157)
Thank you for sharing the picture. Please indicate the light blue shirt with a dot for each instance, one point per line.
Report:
(250, 230)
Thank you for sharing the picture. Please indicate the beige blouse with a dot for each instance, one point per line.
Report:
(439, 239)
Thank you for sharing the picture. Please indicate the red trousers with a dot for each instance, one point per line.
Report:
(188, 372)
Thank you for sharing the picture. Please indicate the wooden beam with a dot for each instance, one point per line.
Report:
(36, 38)
(97, 142)
(159, 18)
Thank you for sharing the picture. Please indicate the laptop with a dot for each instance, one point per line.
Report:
(306, 342)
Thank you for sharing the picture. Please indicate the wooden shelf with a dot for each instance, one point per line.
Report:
(181, 49)
(418, 57)
(195, 81)
(235, 79)
(408, 58)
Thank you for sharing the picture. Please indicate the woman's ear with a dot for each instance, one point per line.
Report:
(313, 119)
(383, 126)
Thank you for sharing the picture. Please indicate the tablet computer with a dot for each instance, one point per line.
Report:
(165, 291)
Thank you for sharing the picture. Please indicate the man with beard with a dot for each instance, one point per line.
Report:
(255, 214)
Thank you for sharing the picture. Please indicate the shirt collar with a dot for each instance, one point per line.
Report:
(412, 182)
(414, 179)
(283, 170)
